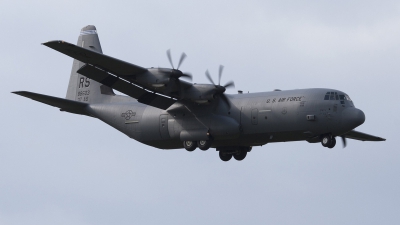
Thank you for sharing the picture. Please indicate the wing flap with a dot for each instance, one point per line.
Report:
(63, 104)
(113, 65)
(142, 95)
(356, 135)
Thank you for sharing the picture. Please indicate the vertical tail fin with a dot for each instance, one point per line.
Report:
(81, 88)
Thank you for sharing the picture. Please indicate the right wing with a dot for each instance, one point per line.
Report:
(362, 136)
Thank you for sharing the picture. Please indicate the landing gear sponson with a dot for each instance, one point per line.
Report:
(225, 154)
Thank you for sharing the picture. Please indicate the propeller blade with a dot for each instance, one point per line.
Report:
(183, 56)
(221, 68)
(187, 75)
(344, 141)
(229, 84)
(170, 58)
(209, 77)
(225, 99)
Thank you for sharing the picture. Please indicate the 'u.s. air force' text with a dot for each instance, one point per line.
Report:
(289, 99)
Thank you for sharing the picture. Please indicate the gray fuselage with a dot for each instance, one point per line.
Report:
(253, 119)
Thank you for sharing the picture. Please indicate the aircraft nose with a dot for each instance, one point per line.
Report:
(353, 117)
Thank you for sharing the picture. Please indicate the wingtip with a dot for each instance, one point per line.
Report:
(53, 42)
(19, 92)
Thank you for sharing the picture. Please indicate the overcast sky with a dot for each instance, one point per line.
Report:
(59, 168)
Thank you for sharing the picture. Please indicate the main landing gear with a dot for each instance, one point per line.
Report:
(239, 153)
(192, 145)
(225, 153)
(328, 141)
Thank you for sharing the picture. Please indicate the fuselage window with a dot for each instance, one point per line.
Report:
(348, 98)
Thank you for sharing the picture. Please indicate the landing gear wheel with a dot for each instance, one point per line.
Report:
(326, 140)
(190, 145)
(240, 155)
(225, 156)
(333, 143)
(204, 145)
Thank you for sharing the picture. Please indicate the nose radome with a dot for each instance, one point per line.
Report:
(360, 117)
(352, 118)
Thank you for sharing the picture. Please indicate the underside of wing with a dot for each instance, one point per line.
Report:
(362, 136)
(113, 65)
(142, 95)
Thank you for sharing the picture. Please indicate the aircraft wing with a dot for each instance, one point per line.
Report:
(108, 71)
(356, 135)
(110, 64)
(142, 95)
(63, 104)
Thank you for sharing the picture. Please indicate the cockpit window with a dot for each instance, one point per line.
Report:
(332, 96)
(342, 99)
(336, 96)
(327, 96)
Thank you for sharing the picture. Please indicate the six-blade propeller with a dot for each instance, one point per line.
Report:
(219, 90)
(176, 73)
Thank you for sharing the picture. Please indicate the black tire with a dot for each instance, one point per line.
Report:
(240, 155)
(190, 145)
(204, 145)
(326, 140)
(333, 143)
(225, 156)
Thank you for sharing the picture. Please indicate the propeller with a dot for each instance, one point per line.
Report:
(219, 90)
(344, 141)
(176, 73)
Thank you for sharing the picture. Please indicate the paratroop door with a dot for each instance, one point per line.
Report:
(164, 126)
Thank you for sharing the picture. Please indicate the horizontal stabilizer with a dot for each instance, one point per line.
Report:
(362, 136)
(63, 104)
(142, 95)
(113, 65)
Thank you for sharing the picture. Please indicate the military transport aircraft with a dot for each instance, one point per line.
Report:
(165, 112)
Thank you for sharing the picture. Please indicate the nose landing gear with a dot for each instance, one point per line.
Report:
(328, 141)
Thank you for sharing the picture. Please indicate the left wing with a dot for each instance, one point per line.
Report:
(108, 63)
(142, 95)
(356, 135)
